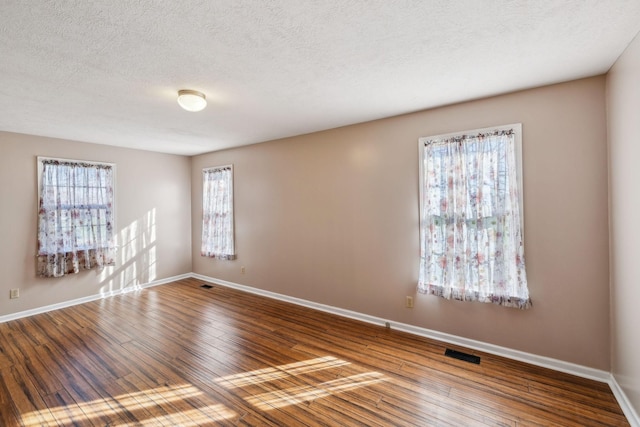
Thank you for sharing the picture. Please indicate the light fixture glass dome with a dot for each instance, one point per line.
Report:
(192, 100)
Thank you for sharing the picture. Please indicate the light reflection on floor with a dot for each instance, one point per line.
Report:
(277, 398)
(103, 408)
(300, 394)
(278, 372)
(271, 397)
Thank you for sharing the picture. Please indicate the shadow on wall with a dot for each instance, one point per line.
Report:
(136, 261)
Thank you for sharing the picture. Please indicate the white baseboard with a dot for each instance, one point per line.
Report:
(46, 308)
(623, 401)
(546, 362)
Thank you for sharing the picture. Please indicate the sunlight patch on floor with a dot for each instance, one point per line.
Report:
(279, 372)
(195, 417)
(278, 397)
(297, 395)
(133, 402)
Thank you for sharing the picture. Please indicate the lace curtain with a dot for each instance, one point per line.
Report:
(75, 217)
(471, 244)
(217, 213)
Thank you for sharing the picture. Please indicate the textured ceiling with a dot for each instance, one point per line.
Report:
(108, 71)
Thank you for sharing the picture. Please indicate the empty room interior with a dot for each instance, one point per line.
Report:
(300, 251)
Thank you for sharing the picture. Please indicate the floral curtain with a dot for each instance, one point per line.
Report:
(470, 235)
(217, 213)
(75, 217)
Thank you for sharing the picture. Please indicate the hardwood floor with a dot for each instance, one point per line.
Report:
(181, 355)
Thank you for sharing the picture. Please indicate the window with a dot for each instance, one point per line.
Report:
(217, 213)
(471, 246)
(75, 216)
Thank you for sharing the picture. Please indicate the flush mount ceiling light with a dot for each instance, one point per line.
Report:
(192, 100)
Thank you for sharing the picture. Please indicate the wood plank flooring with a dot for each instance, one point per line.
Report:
(181, 355)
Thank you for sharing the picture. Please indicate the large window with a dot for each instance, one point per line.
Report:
(471, 245)
(75, 216)
(217, 213)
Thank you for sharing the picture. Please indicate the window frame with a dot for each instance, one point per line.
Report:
(234, 255)
(517, 130)
(460, 273)
(40, 169)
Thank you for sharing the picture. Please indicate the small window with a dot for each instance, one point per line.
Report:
(75, 216)
(471, 238)
(217, 213)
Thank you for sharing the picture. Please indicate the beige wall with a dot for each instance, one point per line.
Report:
(332, 217)
(153, 220)
(623, 109)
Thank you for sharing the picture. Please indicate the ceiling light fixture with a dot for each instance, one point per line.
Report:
(192, 100)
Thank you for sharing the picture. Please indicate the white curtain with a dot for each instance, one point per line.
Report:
(217, 213)
(471, 234)
(75, 217)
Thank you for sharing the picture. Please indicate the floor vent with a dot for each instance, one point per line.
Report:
(462, 356)
(206, 286)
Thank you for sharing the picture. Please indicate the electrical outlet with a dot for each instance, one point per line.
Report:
(14, 293)
(409, 302)
(242, 270)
